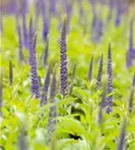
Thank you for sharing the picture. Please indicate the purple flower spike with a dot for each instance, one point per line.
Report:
(33, 63)
(52, 111)
(25, 32)
(100, 69)
(131, 44)
(109, 100)
(53, 7)
(63, 61)
(90, 69)
(1, 22)
(45, 87)
(97, 29)
(45, 57)
(45, 30)
(131, 50)
(121, 142)
(118, 14)
(20, 52)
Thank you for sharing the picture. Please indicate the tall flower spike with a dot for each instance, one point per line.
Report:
(121, 142)
(131, 49)
(45, 87)
(45, 29)
(63, 61)
(52, 111)
(10, 73)
(33, 63)
(109, 100)
(118, 14)
(20, 51)
(25, 32)
(1, 23)
(90, 69)
(100, 69)
(52, 7)
(45, 55)
(131, 44)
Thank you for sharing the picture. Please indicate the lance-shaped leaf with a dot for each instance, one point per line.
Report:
(109, 100)
(52, 110)
(33, 63)
(74, 72)
(45, 87)
(10, 73)
(100, 70)
(63, 61)
(90, 72)
(121, 142)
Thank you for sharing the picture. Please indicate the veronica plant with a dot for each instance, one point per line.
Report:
(90, 72)
(25, 32)
(45, 55)
(131, 49)
(52, 110)
(20, 51)
(100, 70)
(33, 63)
(45, 88)
(45, 29)
(109, 100)
(100, 113)
(63, 61)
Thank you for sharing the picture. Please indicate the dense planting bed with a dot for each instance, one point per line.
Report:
(67, 75)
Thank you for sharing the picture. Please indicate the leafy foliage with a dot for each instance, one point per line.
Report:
(77, 120)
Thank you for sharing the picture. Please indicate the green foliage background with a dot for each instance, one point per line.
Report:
(21, 111)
